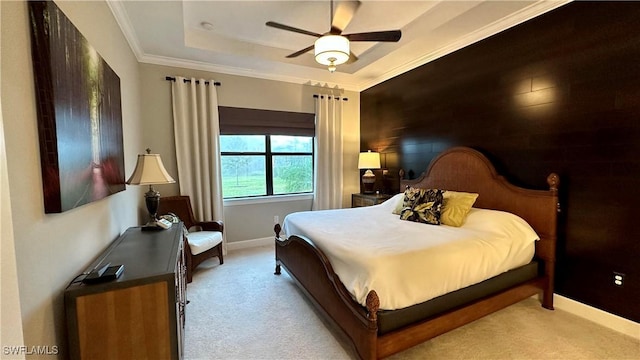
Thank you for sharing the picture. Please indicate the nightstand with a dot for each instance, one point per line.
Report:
(358, 200)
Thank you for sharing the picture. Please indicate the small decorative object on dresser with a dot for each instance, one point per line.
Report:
(358, 200)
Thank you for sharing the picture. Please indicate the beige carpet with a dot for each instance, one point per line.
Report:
(240, 310)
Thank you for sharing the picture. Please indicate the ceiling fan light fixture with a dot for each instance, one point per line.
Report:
(332, 50)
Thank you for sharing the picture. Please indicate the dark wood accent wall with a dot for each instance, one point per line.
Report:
(558, 93)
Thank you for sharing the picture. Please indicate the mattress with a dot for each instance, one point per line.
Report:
(408, 263)
(390, 320)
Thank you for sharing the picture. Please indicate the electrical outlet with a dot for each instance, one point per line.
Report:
(276, 219)
(618, 279)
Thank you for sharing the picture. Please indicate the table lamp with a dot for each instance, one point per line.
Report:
(150, 171)
(368, 160)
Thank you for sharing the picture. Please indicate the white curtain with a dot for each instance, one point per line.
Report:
(197, 136)
(328, 164)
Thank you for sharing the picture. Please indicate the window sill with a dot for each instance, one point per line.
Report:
(267, 199)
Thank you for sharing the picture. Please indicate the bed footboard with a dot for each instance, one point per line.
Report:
(309, 267)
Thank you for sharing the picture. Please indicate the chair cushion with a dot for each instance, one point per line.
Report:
(201, 241)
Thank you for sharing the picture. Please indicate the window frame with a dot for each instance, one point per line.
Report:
(268, 155)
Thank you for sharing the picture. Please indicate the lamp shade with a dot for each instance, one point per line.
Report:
(332, 50)
(150, 170)
(369, 160)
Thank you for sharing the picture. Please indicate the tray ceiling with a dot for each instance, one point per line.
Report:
(238, 42)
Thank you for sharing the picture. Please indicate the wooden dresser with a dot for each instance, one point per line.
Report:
(140, 315)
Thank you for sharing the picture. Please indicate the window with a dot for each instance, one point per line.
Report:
(265, 152)
(255, 165)
(292, 163)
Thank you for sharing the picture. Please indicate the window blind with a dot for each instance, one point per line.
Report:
(242, 121)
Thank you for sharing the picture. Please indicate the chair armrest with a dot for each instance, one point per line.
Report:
(210, 225)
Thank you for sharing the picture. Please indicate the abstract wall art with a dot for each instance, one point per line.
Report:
(79, 113)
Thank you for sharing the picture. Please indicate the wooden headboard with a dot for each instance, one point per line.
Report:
(465, 169)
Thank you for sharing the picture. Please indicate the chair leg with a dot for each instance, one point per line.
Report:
(220, 256)
(194, 260)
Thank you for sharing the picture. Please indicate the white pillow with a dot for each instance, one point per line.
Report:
(397, 200)
(500, 222)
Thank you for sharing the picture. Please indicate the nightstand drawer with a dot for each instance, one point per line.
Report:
(359, 200)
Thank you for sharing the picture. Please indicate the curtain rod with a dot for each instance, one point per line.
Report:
(171, 78)
(329, 96)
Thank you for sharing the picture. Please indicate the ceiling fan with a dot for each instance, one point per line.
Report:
(332, 47)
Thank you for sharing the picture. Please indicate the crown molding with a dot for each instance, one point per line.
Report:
(120, 14)
(228, 70)
(503, 24)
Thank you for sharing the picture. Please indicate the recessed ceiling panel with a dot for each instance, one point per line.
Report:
(237, 41)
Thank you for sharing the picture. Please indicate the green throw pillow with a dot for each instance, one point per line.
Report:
(456, 206)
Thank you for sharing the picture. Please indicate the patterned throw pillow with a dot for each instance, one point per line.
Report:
(422, 205)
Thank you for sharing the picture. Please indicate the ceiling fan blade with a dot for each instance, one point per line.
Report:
(300, 52)
(352, 58)
(291, 28)
(388, 36)
(343, 15)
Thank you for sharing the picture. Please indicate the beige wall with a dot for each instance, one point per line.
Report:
(51, 250)
(246, 92)
(10, 321)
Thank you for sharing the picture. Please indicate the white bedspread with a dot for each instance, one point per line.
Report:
(407, 263)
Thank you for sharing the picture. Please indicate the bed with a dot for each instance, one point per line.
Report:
(377, 331)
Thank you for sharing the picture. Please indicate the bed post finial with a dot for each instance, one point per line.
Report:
(373, 304)
(277, 229)
(554, 181)
(401, 174)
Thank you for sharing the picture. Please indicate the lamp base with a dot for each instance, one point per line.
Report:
(152, 200)
(368, 182)
(151, 226)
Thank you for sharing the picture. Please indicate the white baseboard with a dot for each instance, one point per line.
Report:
(598, 316)
(235, 245)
